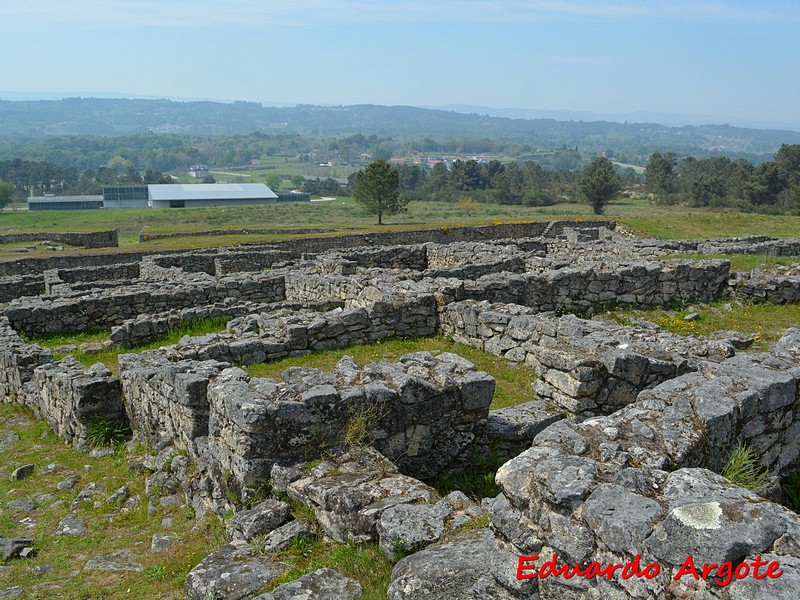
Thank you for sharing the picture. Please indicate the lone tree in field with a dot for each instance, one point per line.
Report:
(376, 189)
(599, 184)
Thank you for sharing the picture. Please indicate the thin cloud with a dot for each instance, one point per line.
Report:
(257, 13)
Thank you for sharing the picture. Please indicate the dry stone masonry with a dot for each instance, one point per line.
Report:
(615, 454)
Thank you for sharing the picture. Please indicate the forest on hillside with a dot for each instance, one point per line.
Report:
(123, 117)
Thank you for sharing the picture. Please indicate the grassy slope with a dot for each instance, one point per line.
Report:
(107, 528)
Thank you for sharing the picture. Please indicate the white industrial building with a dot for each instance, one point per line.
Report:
(171, 195)
(177, 195)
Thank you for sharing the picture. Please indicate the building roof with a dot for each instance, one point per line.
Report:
(210, 191)
(58, 199)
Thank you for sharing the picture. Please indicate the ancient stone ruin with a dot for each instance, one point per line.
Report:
(613, 459)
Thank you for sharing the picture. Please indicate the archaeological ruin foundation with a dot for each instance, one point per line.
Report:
(616, 453)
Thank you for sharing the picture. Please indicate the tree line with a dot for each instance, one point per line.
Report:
(36, 178)
(770, 187)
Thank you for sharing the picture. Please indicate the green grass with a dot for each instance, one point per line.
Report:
(513, 379)
(743, 468)
(163, 575)
(476, 479)
(740, 262)
(102, 432)
(363, 562)
(765, 321)
(678, 223)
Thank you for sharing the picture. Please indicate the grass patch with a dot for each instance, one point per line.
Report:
(513, 379)
(363, 562)
(764, 321)
(743, 468)
(107, 528)
(107, 432)
(476, 479)
(740, 262)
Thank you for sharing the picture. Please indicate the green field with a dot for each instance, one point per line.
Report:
(345, 215)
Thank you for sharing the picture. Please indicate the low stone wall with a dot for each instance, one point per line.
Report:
(248, 261)
(390, 257)
(20, 286)
(585, 367)
(116, 271)
(271, 336)
(71, 396)
(189, 262)
(166, 400)
(96, 239)
(778, 285)
(755, 244)
(610, 245)
(419, 412)
(444, 235)
(65, 393)
(108, 308)
(18, 359)
(146, 237)
(36, 265)
(149, 327)
(309, 288)
(591, 286)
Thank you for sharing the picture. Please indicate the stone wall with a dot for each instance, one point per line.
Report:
(146, 237)
(115, 271)
(21, 285)
(583, 366)
(95, 239)
(71, 396)
(444, 235)
(18, 359)
(248, 261)
(390, 257)
(166, 400)
(271, 336)
(65, 393)
(591, 286)
(108, 308)
(35, 265)
(148, 327)
(419, 412)
(775, 284)
(189, 262)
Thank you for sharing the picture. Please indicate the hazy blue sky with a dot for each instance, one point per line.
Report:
(731, 58)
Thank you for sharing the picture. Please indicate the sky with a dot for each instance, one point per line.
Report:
(734, 59)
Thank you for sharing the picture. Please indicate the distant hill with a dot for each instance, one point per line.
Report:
(116, 117)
